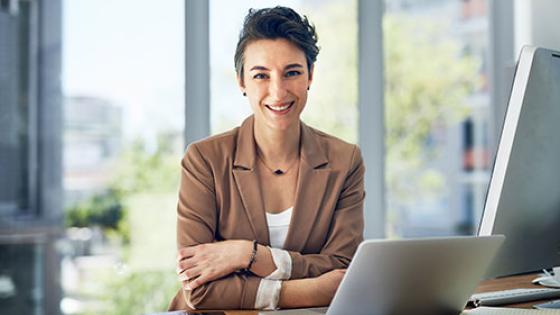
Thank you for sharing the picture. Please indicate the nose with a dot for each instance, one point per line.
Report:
(277, 89)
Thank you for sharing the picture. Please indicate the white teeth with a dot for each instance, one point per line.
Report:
(280, 108)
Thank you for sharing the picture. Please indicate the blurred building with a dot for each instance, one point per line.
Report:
(30, 156)
(92, 142)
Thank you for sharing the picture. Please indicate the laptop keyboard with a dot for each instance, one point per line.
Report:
(512, 296)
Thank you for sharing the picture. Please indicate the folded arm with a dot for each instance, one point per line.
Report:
(197, 224)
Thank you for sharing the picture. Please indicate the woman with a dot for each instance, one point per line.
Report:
(271, 212)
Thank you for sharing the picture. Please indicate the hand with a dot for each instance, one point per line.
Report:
(197, 265)
(326, 286)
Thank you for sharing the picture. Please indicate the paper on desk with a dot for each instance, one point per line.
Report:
(503, 310)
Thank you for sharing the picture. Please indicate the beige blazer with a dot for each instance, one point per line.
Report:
(220, 199)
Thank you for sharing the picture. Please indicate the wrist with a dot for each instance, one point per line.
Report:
(245, 251)
(314, 284)
(298, 293)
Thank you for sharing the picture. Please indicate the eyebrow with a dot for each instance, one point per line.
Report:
(290, 66)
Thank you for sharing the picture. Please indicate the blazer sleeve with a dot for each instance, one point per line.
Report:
(196, 224)
(345, 232)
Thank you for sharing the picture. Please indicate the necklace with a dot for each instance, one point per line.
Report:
(278, 171)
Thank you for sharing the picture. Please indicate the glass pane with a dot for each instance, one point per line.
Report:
(14, 114)
(437, 115)
(332, 102)
(123, 78)
(21, 274)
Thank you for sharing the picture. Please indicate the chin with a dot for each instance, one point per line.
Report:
(282, 125)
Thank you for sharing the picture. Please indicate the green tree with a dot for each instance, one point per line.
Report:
(139, 292)
(105, 210)
(332, 104)
(427, 82)
(144, 170)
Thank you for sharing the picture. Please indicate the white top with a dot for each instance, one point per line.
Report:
(268, 292)
(278, 224)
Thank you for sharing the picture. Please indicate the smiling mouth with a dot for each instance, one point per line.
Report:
(280, 109)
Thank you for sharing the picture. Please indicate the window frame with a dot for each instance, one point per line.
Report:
(26, 48)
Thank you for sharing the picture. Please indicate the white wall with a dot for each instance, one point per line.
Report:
(537, 23)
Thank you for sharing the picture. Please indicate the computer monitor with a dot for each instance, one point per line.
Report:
(523, 200)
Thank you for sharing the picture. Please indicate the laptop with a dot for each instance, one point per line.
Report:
(411, 276)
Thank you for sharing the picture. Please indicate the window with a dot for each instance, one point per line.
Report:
(123, 80)
(16, 108)
(438, 113)
(29, 189)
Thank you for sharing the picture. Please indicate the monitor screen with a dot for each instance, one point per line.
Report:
(523, 201)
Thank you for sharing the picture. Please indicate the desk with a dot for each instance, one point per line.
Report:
(507, 283)
(514, 282)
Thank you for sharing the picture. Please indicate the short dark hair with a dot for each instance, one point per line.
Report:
(276, 23)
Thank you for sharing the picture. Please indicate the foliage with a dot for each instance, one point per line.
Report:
(427, 83)
(139, 292)
(333, 99)
(143, 171)
(139, 170)
(105, 210)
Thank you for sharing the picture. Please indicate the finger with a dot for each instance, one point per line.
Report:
(196, 282)
(185, 252)
(179, 269)
(190, 274)
(186, 286)
(182, 277)
(185, 264)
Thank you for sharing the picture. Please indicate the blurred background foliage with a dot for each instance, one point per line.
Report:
(105, 210)
(138, 210)
(145, 169)
(427, 81)
(139, 293)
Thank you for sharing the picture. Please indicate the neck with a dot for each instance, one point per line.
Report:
(278, 147)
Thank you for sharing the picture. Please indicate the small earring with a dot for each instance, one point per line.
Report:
(244, 94)
(308, 88)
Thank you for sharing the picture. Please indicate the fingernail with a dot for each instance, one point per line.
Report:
(188, 287)
(183, 277)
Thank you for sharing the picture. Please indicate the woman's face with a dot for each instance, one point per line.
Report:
(276, 80)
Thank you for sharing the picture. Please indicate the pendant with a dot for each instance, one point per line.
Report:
(278, 172)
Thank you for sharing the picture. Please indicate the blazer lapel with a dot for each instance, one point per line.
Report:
(312, 183)
(247, 182)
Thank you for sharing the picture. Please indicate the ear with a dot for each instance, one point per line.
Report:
(311, 70)
(240, 83)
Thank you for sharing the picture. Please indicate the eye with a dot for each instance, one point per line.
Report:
(260, 76)
(292, 73)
